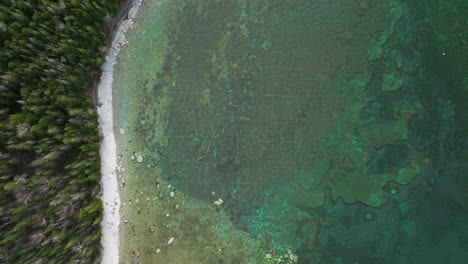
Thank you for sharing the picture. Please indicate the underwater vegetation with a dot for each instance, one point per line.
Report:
(50, 53)
(329, 129)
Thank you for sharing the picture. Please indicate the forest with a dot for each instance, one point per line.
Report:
(50, 58)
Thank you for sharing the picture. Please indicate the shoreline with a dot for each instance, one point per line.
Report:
(110, 224)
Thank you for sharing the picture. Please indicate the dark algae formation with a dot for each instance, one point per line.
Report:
(50, 53)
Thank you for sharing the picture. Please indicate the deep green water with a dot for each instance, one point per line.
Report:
(335, 129)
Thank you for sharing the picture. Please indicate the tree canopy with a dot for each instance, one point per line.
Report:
(50, 53)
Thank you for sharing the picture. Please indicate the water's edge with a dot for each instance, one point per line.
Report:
(108, 153)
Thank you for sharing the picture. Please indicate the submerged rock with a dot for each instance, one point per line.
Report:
(139, 159)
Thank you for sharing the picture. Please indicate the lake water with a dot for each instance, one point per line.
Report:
(305, 131)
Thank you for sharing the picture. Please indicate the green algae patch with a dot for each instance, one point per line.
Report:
(391, 82)
(378, 43)
(293, 220)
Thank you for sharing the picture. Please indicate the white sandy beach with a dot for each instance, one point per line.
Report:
(108, 151)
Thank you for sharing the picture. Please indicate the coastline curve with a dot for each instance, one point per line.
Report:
(108, 151)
